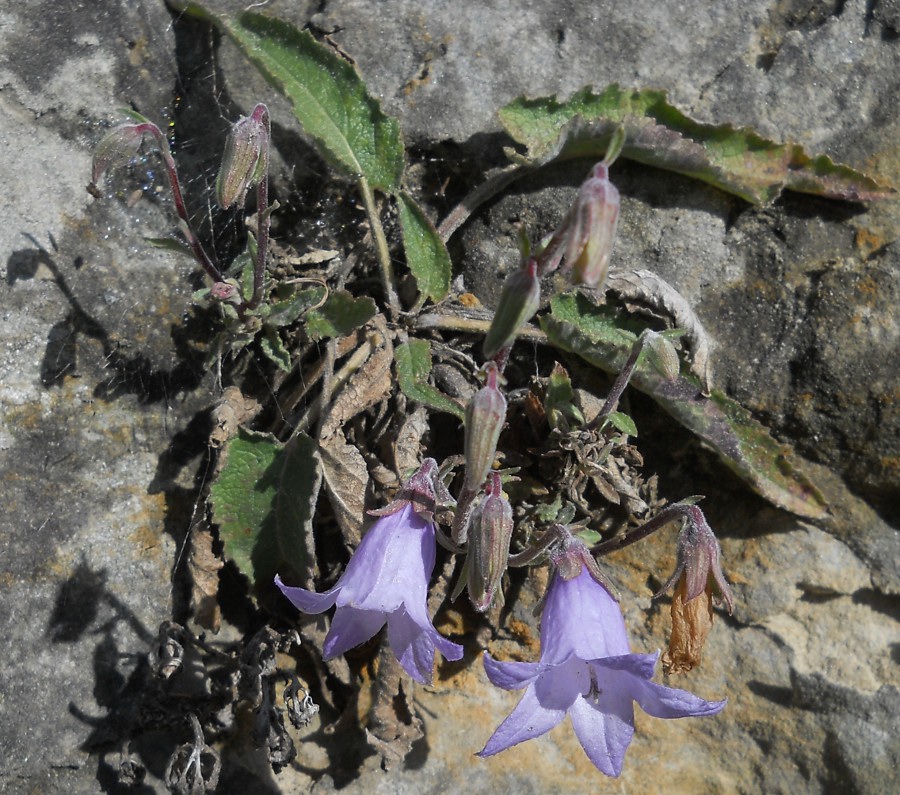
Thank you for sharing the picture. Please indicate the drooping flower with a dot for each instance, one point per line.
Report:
(697, 570)
(386, 581)
(586, 671)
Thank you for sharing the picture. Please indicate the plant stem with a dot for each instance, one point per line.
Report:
(199, 254)
(450, 322)
(620, 383)
(261, 114)
(381, 246)
(674, 512)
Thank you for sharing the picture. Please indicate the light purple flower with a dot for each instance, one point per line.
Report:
(586, 671)
(386, 580)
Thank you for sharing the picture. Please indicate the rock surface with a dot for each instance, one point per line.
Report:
(99, 391)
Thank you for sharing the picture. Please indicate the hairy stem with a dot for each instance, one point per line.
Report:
(193, 241)
(381, 246)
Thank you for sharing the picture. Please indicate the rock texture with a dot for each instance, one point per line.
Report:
(100, 393)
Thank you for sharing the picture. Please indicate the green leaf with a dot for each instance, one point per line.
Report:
(300, 478)
(242, 269)
(599, 336)
(327, 94)
(589, 537)
(339, 315)
(262, 501)
(413, 366)
(622, 422)
(426, 254)
(737, 160)
(558, 400)
(273, 348)
(284, 312)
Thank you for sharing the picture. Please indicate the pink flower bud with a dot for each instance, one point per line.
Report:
(492, 526)
(519, 300)
(223, 291)
(485, 416)
(244, 160)
(593, 230)
(584, 240)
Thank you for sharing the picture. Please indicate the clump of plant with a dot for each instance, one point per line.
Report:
(546, 475)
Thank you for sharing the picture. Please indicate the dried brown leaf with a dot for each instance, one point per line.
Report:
(366, 385)
(408, 444)
(232, 411)
(204, 566)
(649, 288)
(347, 483)
(360, 386)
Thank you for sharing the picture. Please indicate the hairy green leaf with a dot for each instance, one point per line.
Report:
(263, 501)
(284, 311)
(339, 315)
(622, 422)
(599, 336)
(273, 348)
(558, 400)
(737, 160)
(327, 94)
(413, 366)
(426, 254)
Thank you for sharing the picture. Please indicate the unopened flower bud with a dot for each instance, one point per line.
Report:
(593, 233)
(116, 148)
(519, 300)
(244, 161)
(662, 355)
(585, 238)
(223, 291)
(485, 416)
(491, 531)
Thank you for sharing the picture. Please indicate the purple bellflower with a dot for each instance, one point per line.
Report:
(386, 581)
(586, 671)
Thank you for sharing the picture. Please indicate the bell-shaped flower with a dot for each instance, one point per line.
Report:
(386, 582)
(586, 671)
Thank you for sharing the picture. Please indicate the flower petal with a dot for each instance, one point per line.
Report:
(642, 665)
(510, 675)
(349, 628)
(414, 643)
(582, 619)
(308, 601)
(670, 702)
(559, 686)
(604, 734)
(391, 565)
(528, 720)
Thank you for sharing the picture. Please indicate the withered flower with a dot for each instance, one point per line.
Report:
(696, 574)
